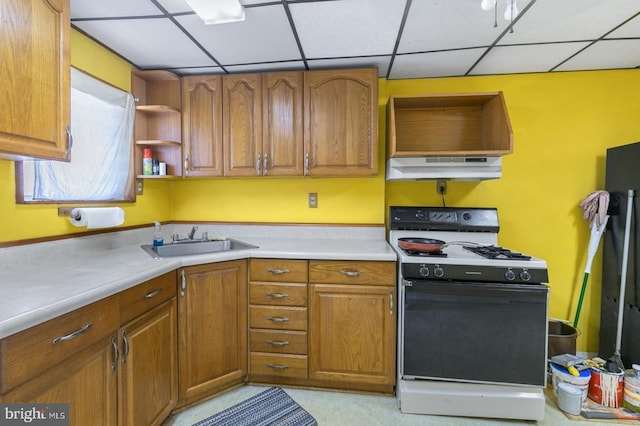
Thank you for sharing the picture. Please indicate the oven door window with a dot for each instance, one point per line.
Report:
(476, 332)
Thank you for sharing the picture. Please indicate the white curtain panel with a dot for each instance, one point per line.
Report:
(102, 126)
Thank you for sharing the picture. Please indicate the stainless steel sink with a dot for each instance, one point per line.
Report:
(188, 248)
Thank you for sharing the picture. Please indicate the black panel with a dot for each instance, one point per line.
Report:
(622, 174)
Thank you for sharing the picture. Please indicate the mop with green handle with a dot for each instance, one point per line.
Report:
(595, 212)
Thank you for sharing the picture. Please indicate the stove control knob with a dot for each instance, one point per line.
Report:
(419, 215)
(525, 275)
(510, 275)
(423, 271)
(438, 271)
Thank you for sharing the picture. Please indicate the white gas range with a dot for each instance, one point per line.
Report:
(472, 321)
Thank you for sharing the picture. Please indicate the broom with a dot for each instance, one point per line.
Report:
(595, 208)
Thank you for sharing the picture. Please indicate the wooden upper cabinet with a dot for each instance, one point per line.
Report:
(202, 124)
(341, 122)
(35, 83)
(282, 146)
(242, 128)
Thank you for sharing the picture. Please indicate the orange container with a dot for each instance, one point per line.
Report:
(606, 388)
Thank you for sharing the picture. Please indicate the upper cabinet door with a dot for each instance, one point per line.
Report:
(35, 83)
(202, 124)
(282, 145)
(341, 122)
(242, 129)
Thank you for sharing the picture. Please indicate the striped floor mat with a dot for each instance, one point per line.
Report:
(272, 407)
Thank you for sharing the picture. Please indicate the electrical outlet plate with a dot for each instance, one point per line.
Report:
(441, 187)
(139, 186)
(313, 200)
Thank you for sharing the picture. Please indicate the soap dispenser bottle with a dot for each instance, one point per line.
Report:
(158, 240)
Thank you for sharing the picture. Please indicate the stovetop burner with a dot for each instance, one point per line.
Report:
(497, 252)
(415, 253)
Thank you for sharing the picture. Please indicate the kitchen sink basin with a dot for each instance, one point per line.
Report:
(188, 248)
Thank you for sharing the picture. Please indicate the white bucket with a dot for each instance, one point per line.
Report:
(560, 374)
(569, 398)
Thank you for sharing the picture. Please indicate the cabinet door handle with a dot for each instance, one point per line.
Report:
(67, 130)
(186, 164)
(274, 343)
(126, 347)
(390, 303)
(258, 164)
(277, 295)
(183, 286)
(306, 164)
(114, 345)
(278, 319)
(151, 294)
(265, 165)
(351, 273)
(278, 271)
(277, 367)
(72, 335)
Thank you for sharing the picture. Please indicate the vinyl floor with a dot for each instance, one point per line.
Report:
(351, 409)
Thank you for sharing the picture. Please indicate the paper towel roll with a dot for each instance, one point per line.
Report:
(97, 217)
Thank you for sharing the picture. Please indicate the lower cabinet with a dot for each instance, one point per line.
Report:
(147, 374)
(352, 324)
(86, 381)
(212, 328)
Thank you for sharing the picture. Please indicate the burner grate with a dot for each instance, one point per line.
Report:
(438, 253)
(497, 252)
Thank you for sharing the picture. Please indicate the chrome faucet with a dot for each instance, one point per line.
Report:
(192, 232)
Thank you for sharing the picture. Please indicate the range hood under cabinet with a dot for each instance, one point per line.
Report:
(447, 136)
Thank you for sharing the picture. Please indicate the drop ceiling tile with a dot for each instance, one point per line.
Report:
(275, 66)
(330, 29)
(175, 6)
(264, 36)
(525, 58)
(435, 64)
(606, 54)
(444, 24)
(112, 8)
(147, 43)
(630, 29)
(381, 62)
(570, 20)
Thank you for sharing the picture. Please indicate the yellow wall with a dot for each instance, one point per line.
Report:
(562, 123)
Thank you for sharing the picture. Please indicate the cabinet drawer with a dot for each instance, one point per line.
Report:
(352, 272)
(139, 299)
(282, 318)
(279, 270)
(26, 354)
(280, 294)
(278, 341)
(262, 364)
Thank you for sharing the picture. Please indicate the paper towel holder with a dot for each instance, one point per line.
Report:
(67, 211)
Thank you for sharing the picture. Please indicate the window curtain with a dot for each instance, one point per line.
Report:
(102, 119)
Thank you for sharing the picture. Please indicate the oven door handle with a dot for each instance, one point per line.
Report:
(407, 283)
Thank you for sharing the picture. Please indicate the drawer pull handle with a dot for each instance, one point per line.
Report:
(351, 273)
(277, 295)
(72, 335)
(151, 294)
(278, 319)
(274, 343)
(277, 367)
(278, 271)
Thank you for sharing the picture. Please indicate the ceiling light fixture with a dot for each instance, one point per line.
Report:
(217, 11)
(510, 13)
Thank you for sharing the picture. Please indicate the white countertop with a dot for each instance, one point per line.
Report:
(42, 281)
